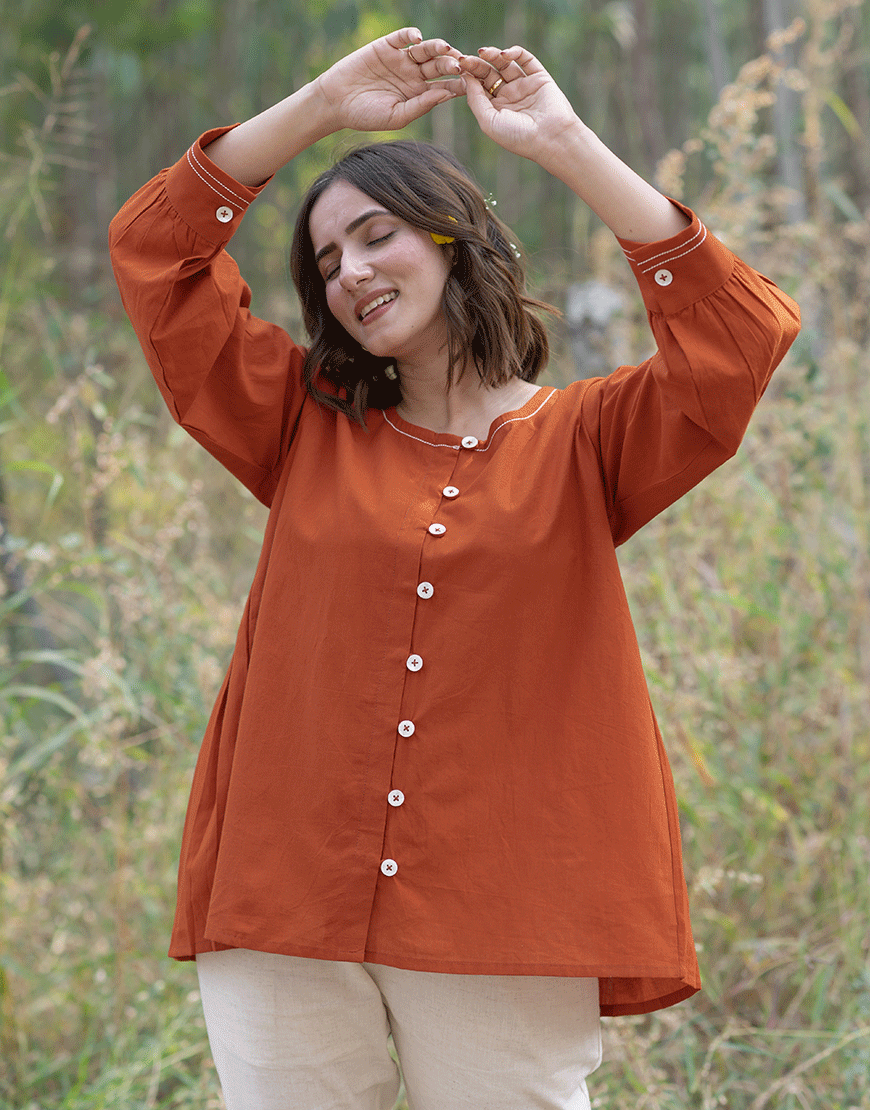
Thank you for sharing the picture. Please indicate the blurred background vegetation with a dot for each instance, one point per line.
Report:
(126, 553)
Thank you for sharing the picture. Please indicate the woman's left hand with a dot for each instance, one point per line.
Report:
(528, 114)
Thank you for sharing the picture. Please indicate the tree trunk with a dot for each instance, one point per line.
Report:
(856, 90)
(647, 101)
(717, 53)
(789, 163)
(510, 168)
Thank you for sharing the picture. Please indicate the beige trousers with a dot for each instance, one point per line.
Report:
(295, 1034)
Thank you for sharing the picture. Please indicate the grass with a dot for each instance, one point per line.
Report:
(750, 600)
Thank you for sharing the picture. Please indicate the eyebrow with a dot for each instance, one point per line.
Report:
(351, 227)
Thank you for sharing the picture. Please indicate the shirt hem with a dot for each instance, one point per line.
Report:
(685, 984)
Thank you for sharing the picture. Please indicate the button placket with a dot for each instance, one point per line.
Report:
(414, 662)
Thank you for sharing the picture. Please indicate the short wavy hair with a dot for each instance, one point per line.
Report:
(485, 302)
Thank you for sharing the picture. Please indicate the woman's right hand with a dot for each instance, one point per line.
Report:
(384, 85)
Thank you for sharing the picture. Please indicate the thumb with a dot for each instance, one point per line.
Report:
(478, 99)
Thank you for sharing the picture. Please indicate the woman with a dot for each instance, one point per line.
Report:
(432, 799)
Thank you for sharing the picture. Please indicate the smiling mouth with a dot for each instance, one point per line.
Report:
(377, 302)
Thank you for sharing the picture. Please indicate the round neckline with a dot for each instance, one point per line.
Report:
(538, 397)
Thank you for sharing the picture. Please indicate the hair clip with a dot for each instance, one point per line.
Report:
(442, 239)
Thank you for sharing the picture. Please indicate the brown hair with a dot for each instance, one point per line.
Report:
(485, 302)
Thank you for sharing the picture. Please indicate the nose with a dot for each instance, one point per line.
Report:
(354, 270)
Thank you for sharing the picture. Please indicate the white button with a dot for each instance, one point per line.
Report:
(450, 491)
(224, 214)
(664, 277)
(425, 589)
(395, 797)
(414, 663)
(389, 866)
(470, 441)
(437, 529)
(406, 728)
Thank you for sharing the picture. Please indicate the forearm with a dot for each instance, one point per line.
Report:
(630, 206)
(254, 150)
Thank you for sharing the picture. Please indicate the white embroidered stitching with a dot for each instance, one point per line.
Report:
(478, 450)
(452, 446)
(514, 419)
(227, 199)
(671, 257)
(702, 231)
(195, 156)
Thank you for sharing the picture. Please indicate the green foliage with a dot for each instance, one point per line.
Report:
(126, 554)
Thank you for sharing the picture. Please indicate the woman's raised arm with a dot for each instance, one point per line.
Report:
(383, 86)
(531, 116)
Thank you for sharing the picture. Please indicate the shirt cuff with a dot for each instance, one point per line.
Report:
(209, 201)
(677, 272)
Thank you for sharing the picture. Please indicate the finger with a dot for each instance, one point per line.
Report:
(421, 52)
(524, 58)
(405, 36)
(438, 93)
(477, 67)
(479, 100)
(440, 67)
(508, 67)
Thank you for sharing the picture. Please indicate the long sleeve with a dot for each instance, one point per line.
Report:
(230, 379)
(721, 329)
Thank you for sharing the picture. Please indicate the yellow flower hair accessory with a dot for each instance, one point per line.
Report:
(442, 239)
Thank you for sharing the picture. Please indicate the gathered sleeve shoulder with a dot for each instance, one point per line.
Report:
(230, 379)
(721, 330)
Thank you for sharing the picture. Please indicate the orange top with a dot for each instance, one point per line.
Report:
(434, 747)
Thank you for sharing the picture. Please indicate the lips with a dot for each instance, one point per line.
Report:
(366, 306)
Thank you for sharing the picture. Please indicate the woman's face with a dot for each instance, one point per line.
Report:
(384, 279)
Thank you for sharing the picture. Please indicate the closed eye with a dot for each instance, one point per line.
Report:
(333, 270)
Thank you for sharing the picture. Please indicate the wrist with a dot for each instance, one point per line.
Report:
(317, 110)
(569, 145)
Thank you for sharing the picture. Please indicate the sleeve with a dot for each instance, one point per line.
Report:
(721, 330)
(230, 379)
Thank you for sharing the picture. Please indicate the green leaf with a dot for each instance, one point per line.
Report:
(843, 113)
(43, 694)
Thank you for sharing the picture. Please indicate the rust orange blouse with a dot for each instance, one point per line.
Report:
(434, 747)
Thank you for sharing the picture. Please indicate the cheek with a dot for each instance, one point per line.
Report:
(333, 299)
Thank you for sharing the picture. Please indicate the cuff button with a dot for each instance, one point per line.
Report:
(664, 277)
(225, 214)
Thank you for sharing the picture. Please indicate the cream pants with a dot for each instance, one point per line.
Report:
(296, 1034)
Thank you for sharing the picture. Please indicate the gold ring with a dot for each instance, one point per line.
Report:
(411, 56)
(496, 86)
